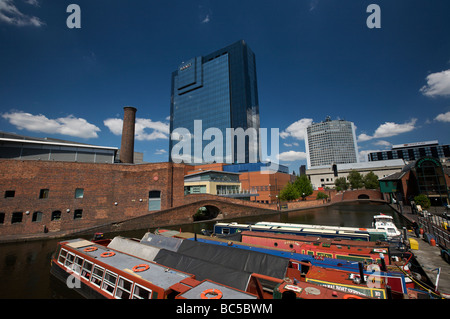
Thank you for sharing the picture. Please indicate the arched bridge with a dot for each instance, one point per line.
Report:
(215, 206)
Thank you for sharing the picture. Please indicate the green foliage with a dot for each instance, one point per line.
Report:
(355, 179)
(289, 192)
(423, 201)
(341, 184)
(303, 186)
(371, 181)
(321, 195)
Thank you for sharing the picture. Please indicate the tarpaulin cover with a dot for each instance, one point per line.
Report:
(243, 260)
(161, 242)
(203, 269)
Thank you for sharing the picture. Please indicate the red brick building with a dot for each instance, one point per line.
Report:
(53, 196)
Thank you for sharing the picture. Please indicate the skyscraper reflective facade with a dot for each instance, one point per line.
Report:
(331, 142)
(220, 89)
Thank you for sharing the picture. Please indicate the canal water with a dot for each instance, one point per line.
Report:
(25, 267)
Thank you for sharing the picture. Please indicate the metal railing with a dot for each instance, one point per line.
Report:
(433, 225)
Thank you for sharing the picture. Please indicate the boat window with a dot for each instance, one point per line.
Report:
(78, 264)
(97, 275)
(69, 260)
(123, 290)
(141, 292)
(109, 282)
(62, 256)
(86, 270)
(225, 231)
(391, 230)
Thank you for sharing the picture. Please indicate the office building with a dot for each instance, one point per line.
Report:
(331, 142)
(412, 151)
(220, 89)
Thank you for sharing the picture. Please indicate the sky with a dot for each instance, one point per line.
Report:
(314, 58)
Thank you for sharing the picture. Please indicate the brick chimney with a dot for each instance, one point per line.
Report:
(127, 146)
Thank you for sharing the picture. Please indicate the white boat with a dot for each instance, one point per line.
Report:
(385, 222)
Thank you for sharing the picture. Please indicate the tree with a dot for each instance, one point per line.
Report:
(371, 181)
(321, 195)
(303, 186)
(423, 201)
(341, 184)
(289, 192)
(355, 179)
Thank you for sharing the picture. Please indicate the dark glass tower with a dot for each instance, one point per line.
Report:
(219, 89)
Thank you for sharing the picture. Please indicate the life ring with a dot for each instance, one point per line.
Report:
(141, 267)
(107, 254)
(216, 294)
(352, 297)
(89, 249)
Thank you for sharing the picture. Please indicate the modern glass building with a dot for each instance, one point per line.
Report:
(331, 142)
(220, 89)
(412, 151)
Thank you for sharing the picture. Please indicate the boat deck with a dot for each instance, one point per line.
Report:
(159, 275)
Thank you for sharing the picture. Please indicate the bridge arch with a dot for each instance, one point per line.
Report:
(363, 196)
(206, 212)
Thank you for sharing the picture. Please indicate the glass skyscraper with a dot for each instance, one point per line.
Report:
(331, 142)
(219, 89)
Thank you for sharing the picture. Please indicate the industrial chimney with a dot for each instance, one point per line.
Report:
(127, 146)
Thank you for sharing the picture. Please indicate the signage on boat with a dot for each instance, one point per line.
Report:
(362, 291)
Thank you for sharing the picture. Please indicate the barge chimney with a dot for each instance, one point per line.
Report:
(127, 146)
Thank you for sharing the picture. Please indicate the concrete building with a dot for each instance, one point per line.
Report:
(331, 142)
(325, 176)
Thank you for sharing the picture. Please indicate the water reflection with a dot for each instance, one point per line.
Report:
(25, 267)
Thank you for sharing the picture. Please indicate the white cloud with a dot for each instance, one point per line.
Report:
(389, 129)
(291, 156)
(159, 129)
(296, 129)
(438, 84)
(443, 117)
(9, 14)
(383, 143)
(68, 125)
(161, 151)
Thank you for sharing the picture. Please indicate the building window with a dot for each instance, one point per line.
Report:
(79, 193)
(16, 217)
(43, 193)
(78, 214)
(2, 218)
(37, 217)
(154, 200)
(10, 194)
(56, 215)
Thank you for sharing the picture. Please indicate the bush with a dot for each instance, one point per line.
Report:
(423, 201)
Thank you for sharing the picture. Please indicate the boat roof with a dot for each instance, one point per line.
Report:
(246, 261)
(381, 216)
(159, 275)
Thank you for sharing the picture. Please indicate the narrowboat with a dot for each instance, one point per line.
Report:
(374, 234)
(326, 249)
(231, 228)
(96, 271)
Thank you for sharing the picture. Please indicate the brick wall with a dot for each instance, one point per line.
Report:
(111, 192)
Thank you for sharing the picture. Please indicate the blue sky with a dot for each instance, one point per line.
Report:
(314, 58)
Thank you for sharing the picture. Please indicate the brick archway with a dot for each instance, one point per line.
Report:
(206, 212)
